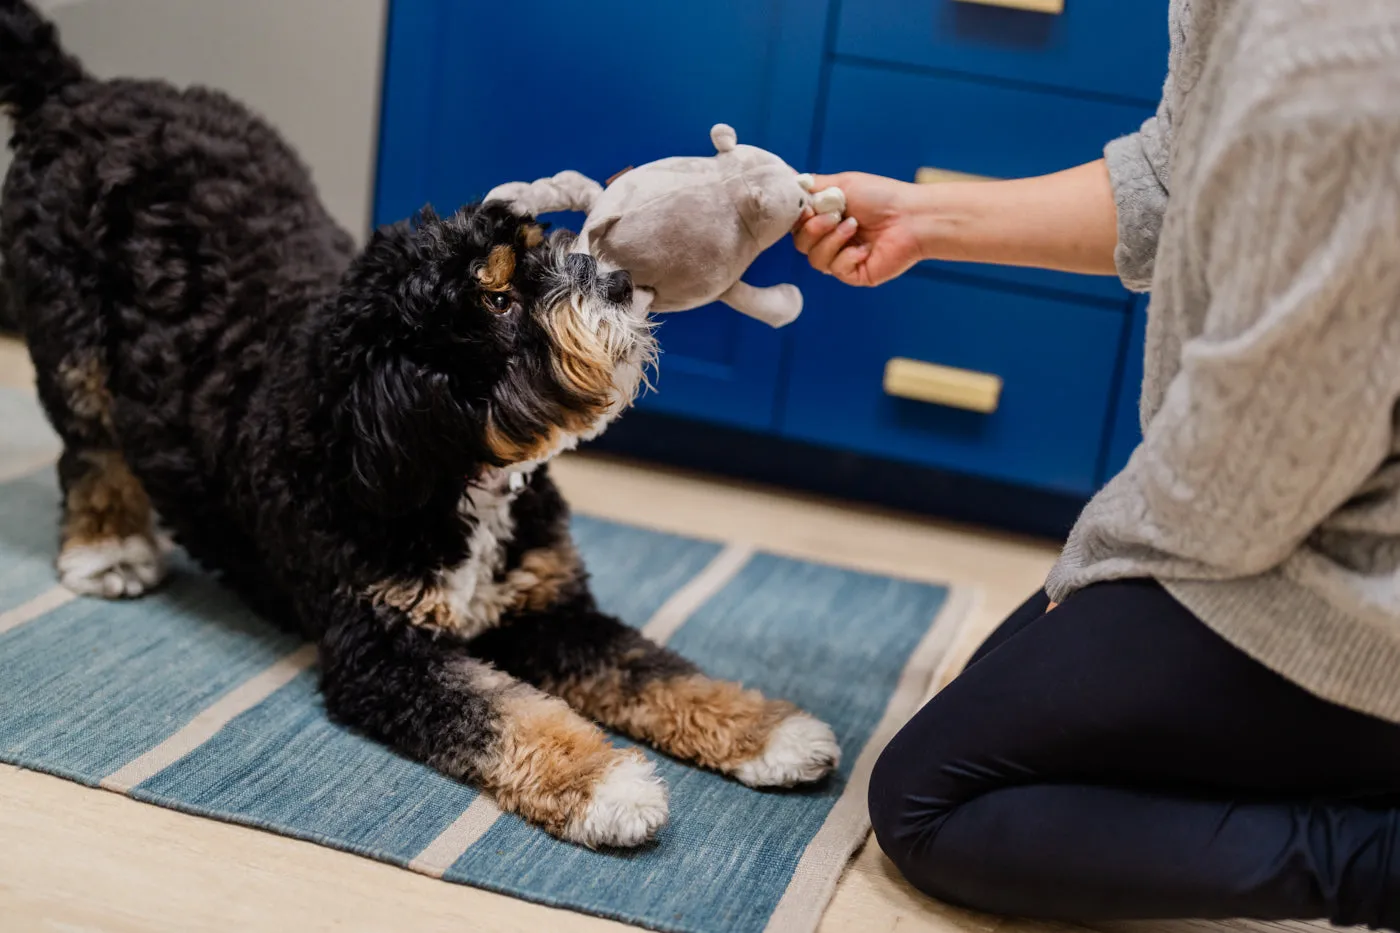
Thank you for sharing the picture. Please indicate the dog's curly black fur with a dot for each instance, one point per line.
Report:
(352, 440)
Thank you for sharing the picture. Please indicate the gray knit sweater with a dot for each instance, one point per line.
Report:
(1262, 207)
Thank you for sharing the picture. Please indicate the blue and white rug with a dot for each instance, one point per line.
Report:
(187, 700)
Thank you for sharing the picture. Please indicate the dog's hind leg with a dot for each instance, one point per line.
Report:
(612, 673)
(109, 546)
(421, 692)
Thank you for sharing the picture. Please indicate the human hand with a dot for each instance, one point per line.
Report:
(875, 243)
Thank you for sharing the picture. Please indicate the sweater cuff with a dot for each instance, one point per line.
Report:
(1141, 202)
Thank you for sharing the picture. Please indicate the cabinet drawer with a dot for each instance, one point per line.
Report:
(1053, 361)
(1110, 47)
(895, 123)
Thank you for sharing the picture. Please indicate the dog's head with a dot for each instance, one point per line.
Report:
(475, 342)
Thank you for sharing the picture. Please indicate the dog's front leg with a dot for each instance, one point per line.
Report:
(611, 673)
(423, 694)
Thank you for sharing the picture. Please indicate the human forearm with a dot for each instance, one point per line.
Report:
(1065, 221)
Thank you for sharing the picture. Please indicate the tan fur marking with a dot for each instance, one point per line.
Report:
(581, 361)
(105, 503)
(423, 603)
(548, 759)
(536, 448)
(495, 275)
(713, 723)
(84, 382)
(543, 576)
(511, 451)
(531, 235)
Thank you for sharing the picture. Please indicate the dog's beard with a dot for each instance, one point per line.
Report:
(600, 355)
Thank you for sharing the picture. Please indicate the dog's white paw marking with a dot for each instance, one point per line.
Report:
(629, 806)
(113, 569)
(801, 749)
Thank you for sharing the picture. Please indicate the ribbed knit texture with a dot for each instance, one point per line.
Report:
(1262, 206)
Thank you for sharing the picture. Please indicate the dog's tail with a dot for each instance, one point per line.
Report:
(33, 66)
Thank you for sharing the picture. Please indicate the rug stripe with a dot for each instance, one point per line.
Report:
(15, 466)
(444, 851)
(213, 718)
(823, 861)
(45, 602)
(448, 847)
(682, 605)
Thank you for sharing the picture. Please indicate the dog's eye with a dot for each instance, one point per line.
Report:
(500, 302)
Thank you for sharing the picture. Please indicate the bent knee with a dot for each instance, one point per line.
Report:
(904, 816)
(908, 817)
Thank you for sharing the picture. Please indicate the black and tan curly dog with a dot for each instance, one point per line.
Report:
(355, 441)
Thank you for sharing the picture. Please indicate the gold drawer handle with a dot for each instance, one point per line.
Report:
(942, 385)
(1035, 6)
(937, 176)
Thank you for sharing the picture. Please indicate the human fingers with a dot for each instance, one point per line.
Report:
(807, 235)
(847, 264)
(824, 251)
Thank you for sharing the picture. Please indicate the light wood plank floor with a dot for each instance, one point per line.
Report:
(74, 859)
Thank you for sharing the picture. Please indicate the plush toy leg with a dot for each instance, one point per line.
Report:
(775, 305)
(829, 200)
(567, 191)
(826, 201)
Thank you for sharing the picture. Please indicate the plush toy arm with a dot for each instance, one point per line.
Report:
(775, 305)
(826, 201)
(567, 191)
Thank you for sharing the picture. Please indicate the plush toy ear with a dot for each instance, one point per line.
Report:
(724, 137)
(600, 227)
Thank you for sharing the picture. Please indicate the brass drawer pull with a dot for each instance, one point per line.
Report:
(928, 175)
(942, 385)
(1035, 6)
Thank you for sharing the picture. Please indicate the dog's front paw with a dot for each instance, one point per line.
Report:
(799, 750)
(112, 568)
(627, 808)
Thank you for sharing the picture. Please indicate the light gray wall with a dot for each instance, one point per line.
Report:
(312, 67)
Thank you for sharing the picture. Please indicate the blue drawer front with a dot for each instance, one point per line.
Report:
(1109, 47)
(477, 94)
(893, 123)
(1056, 357)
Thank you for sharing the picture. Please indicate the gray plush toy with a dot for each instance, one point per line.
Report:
(687, 228)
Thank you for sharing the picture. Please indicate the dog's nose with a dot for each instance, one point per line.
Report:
(582, 269)
(617, 287)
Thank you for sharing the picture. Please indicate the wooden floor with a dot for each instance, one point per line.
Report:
(74, 859)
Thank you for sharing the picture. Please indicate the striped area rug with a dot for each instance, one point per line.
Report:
(187, 700)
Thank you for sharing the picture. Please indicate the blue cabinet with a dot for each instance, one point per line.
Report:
(476, 94)
(897, 122)
(1055, 358)
(480, 93)
(1101, 48)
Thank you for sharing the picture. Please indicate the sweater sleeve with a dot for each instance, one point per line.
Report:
(1285, 403)
(1138, 171)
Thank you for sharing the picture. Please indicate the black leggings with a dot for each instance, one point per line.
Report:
(1115, 759)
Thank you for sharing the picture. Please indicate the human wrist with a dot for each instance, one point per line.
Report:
(935, 219)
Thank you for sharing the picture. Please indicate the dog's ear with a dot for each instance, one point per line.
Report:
(405, 437)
